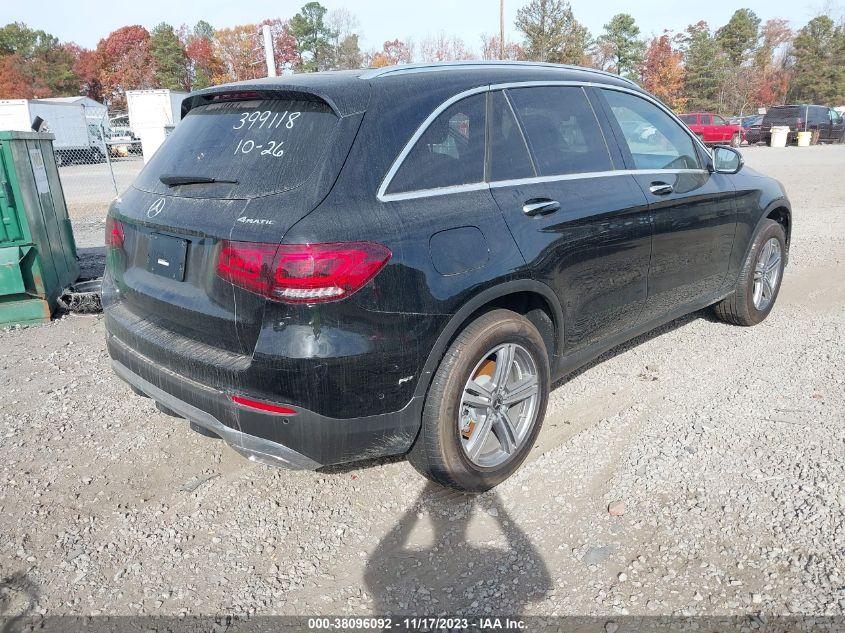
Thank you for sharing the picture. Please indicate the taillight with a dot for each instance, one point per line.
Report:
(114, 233)
(301, 273)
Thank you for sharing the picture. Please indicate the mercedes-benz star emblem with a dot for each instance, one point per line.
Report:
(155, 208)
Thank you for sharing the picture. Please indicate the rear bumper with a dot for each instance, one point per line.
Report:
(306, 440)
(253, 448)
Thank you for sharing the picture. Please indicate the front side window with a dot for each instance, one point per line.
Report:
(450, 151)
(562, 130)
(717, 120)
(654, 139)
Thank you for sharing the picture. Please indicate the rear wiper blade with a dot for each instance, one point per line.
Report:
(172, 180)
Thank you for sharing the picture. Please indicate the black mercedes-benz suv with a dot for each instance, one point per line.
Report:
(337, 266)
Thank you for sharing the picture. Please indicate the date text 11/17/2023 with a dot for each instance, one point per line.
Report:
(442, 623)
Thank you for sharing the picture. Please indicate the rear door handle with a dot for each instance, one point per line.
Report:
(661, 188)
(540, 206)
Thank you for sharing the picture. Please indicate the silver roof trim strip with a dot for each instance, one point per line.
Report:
(405, 69)
(383, 196)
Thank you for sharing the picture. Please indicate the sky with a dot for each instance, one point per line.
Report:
(87, 21)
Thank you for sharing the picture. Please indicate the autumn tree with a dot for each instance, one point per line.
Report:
(443, 48)
(552, 34)
(772, 74)
(38, 60)
(125, 63)
(662, 72)
(392, 52)
(621, 42)
(490, 48)
(284, 43)
(87, 71)
(237, 48)
(313, 37)
(15, 80)
(203, 64)
(169, 58)
(819, 62)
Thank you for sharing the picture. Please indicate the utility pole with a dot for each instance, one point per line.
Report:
(268, 50)
(501, 29)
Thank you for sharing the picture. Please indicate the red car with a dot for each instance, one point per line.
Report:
(711, 128)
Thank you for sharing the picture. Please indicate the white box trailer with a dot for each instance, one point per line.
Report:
(68, 122)
(152, 116)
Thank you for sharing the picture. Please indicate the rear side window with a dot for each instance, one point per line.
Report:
(705, 119)
(508, 158)
(655, 140)
(266, 146)
(562, 130)
(450, 152)
(689, 119)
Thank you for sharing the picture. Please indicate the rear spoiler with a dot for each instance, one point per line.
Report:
(343, 100)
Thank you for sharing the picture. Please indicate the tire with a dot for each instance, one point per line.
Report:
(736, 140)
(441, 450)
(739, 308)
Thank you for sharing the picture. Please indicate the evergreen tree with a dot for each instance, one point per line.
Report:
(168, 53)
(621, 42)
(705, 67)
(819, 63)
(313, 37)
(552, 34)
(739, 37)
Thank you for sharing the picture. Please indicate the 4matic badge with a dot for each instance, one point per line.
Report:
(245, 220)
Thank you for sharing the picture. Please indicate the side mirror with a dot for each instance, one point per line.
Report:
(726, 160)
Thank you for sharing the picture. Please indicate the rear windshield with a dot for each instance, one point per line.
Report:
(265, 146)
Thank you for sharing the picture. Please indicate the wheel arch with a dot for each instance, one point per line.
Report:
(528, 297)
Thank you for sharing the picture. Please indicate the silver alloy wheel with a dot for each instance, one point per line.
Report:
(499, 405)
(767, 274)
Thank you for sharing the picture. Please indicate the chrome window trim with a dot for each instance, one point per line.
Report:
(383, 196)
(496, 184)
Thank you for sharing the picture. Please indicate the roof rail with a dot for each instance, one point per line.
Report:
(373, 73)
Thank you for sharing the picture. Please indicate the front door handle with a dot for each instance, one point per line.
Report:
(540, 206)
(661, 188)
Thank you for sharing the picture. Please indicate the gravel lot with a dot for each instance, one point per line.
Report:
(726, 446)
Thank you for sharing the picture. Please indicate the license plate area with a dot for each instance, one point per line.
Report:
(166, 256)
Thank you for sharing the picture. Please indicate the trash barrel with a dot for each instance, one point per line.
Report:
(780, 133)
(804, 139)
(37, 249)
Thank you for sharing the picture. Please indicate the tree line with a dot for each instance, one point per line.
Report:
(735, 68)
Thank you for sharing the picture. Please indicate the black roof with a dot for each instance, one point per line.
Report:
(348, 91)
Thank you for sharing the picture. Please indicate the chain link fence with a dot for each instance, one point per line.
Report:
(92, 176)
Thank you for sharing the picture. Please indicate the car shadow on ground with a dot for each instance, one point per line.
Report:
(18, 598)
(457, 554)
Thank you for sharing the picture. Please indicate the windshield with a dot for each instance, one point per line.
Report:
(241, 149)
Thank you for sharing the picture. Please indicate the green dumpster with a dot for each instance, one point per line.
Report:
(37, 250)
